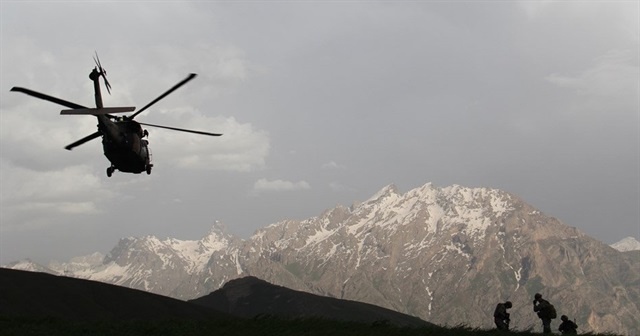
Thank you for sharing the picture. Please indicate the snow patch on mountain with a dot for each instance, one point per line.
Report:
(198, 252)
(110, 273)
(29, 265)
(320, 235)
(627, 244)
(475, 208)
(77, 264)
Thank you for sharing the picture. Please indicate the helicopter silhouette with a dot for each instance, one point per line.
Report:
(122, 137)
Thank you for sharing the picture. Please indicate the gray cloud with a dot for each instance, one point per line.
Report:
(264, 185)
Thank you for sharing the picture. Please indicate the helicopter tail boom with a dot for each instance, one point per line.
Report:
(98, 111)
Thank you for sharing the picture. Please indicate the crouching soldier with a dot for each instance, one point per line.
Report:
(568, 327)
(501, 317)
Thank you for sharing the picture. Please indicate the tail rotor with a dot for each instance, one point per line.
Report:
(102, 72)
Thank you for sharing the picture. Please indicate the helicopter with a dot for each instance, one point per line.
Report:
(122, 137)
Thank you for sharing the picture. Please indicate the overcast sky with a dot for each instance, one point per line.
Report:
(321, 104)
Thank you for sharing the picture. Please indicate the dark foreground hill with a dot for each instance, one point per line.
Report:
(251, 297)
(42, 295)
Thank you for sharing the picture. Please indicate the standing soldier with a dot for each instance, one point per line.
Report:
(501, 317)
(546, 312)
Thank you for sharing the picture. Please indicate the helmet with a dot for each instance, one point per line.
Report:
(508, 304)
(538, 296)
(564, 317)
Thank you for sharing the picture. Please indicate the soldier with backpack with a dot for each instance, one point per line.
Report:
(546, 312)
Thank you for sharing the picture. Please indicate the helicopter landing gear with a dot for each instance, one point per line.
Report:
(110, 171)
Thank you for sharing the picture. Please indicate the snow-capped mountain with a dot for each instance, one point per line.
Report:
(162, 266)
(446, 255)
(627, 244)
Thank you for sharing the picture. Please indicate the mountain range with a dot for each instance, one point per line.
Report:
(446, 255)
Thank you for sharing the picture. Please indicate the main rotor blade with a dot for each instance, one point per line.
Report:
(48, 98)
(98, 111)
(175, 87)
(83, 140)
(181, 129)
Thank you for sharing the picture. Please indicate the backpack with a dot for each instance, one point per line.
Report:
(551, 312)
(547, 310)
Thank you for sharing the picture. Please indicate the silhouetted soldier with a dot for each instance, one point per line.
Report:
(501, 317)
(546, 312)
(567, 326)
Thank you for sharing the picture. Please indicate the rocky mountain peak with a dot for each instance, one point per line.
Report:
(388, 191)
(218, 229)
(123, 245)
(217, 238)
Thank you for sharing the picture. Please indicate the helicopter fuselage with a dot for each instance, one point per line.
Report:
(124, 146)
(121, 139)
